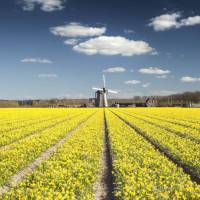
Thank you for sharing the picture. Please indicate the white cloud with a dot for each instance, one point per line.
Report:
(77, 30)
(145, 85)
(48, 76)
(161, 76)
(165, 22)
(190, 21)
(154, 70)
(113, 45)
(114, 70)
(132, 82)
(45, 5)
(169, 21)
(36, 60)
(136, 82)
(189, 79)
(72, 41)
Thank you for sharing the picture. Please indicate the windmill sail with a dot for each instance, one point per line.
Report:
(104, 81)
(112, 91)
(94, 88)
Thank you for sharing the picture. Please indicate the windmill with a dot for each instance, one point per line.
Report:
(101, 95)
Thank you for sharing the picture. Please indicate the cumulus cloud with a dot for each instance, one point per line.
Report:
(132, 82)
(145, 85)
(77, 30)
(169, 21)
(189, 79)
(165, 22)
(191, 21)
(45, 5)
(48, 76)
(72, 41)
(137, 82)
(114, 70)
(113, 45)
(36, 60)
(154, 70)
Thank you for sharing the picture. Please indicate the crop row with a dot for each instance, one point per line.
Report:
(182, 131)
(186, 117)
(140, 171)
(70, 173)
(13, 115)
(182, 149)
(15, 135)
(29, 118)
(20, 154)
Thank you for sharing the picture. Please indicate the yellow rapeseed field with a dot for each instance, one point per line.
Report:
(62, 153)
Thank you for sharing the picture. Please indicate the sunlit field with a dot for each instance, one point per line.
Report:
(75, 153)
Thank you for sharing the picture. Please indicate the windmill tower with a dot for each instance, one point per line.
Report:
(101, 95)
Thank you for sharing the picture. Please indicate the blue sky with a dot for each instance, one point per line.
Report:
(60, 48)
